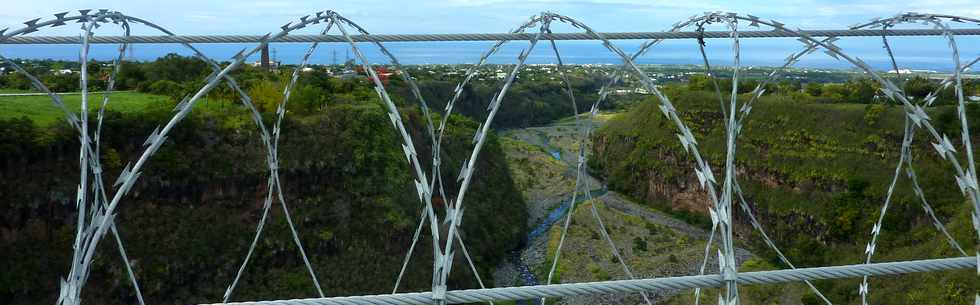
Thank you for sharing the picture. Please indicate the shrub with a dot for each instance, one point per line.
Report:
(639, 244)
(165, 87)
(651, 228)
(872, 113)
(266, 95)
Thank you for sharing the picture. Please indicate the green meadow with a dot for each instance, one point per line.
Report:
(41, 110)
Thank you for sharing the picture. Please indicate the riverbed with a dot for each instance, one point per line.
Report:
(544, 160)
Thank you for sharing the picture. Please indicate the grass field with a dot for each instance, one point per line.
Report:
(42, 111)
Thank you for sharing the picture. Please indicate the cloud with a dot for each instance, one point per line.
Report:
(447, 16)
(594, 3)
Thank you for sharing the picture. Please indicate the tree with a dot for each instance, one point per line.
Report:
(130, 75)
(834, 93)
(813, 89)
(61, 82)
(306, 99)
(699, 82)
(18, 81)
(784, 87)
(918, 87)
(176, 68)
(861, 91)
(167, 87)
(266, 95)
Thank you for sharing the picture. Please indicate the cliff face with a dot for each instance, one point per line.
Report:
(815, 175)
(189, 220)
(663, 178)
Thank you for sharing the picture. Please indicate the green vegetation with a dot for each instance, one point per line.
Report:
(814, 159)
(816, 173)
(527, 103)
(532, 100)
(793, 293)
(40, 109)
(858, 90)
(648, 248)
(346, 181)
(537, 174)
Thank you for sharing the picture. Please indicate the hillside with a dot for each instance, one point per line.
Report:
(815, 174)
(189, 220)
(652, 243)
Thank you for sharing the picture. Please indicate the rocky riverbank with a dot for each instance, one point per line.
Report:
(652, 243)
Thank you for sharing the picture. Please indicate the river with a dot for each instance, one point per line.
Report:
(547, 185)
(556, 213)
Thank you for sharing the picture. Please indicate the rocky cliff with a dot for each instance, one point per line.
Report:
(189, 220)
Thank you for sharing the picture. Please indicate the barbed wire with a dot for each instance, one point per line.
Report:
(96, 211)
(138, 39)
(641, 285)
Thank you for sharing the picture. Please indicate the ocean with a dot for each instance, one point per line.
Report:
(918, 53)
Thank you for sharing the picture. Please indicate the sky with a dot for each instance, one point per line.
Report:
(469, 16)
(199, 17)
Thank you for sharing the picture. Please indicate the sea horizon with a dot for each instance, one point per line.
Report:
(754, 52)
